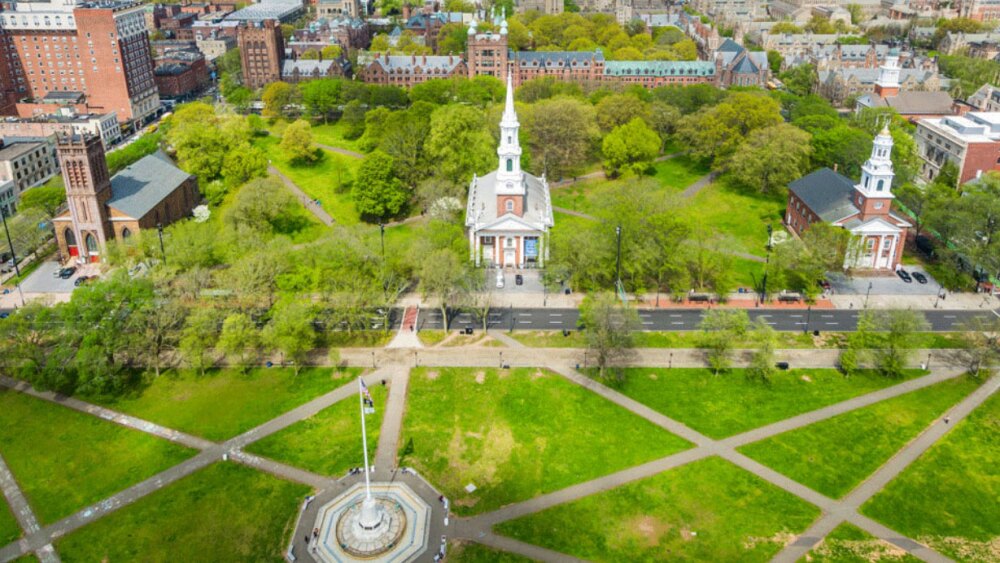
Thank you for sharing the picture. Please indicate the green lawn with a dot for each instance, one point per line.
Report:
(709, 510)
(678, 172)
(516, 434)
(949, 497)
(224, 403)
(357, 339)
(740, 216)
(727, 404)
(849, 544)
(333, 134)
(469, 552)
(329, 442)
(432, 337)
(322, 180)
(833, 456)
(225, 512)
(65, 460)
(10, 530)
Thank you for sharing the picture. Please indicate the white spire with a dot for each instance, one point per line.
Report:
(509, 177)
(888, 73)
(877, 172)
(509, 115)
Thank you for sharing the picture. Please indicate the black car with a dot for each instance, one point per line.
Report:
(519, 279)
(81, 280)
(67, 273)
(904, 275)
(919, 277)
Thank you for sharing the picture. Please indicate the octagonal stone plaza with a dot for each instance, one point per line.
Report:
(402, 533)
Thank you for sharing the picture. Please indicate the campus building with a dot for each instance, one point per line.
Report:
(864, 209)
(910, 104)
(147, 194)
(94, 54)
(509, 212)
(971, 142)
(24, 164)
(262, 50)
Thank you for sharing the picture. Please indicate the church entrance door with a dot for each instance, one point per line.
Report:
(508, 257)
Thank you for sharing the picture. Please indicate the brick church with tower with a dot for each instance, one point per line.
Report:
(150, 193)
(509, 213)
(864, 209)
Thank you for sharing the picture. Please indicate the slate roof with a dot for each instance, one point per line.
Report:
(745, 66)
(429, 63)
(730, 46)
(870, 75)
(137, 189)
(659, 68)
(554, 58)
(826, 193)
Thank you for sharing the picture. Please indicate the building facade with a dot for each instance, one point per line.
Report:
(864, 209)
(101, 208)
(509, 211)
(407, 70)
(971, 142)
(181, 73)
(262, 50)
(105, 126)
(100, 50)
(24, 165)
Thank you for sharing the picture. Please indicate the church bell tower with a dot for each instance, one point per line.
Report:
(874, 191)
(510, 186)
(88, 189)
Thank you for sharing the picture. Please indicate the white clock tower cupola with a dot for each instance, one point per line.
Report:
(510, 179)
(877, 174)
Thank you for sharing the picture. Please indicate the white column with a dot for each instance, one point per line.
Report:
(472, 246)
(478, 248)
(892, 252)
(522, 245)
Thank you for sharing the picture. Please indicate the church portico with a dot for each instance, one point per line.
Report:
(507, 249)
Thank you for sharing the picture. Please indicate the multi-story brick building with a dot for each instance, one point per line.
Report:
(262, 50)
(980, 10)
(407, 70)
(181, 73)
(100, 50)
(25, 164)
(147, 194)
(971, 142)
(105, 126)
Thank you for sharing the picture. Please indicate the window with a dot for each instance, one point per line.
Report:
(510, 205)
(70, 237)
(878, 205)
(91, 243)
(126, 233)
(510, 165)
(881, 184)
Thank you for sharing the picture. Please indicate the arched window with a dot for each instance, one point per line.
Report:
(510, 164)
(126, 233)
(510, 205)
(69, 236)
(878, 187)
(867, 181)
(91, 243)
(510, 139)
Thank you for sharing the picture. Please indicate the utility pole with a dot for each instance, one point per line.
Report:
(808, 318)
(618, 260)
(868, 294)
(159, 230)
(13, 255)
(381, 228)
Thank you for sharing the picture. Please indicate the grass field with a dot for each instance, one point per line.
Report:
(739, 216)
(849, 544)
(324, 180)
(65, 460)
(516, 434)
(224, 403)
(357, 339)
(727, 404)
(679, 172)
(333, 134)
(709, 510)
(329, 442)
(949, 497)
(833, 456)
(10, 530)
(431, 337)
(225, 512)
(469, 552)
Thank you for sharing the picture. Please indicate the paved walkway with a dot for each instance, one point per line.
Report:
(392, 422)
(22, 511)
(339, 150)
(565, 211)
(696, 187)
(307, 201)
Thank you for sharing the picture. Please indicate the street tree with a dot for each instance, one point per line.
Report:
(980, 350)
(161, 331)
(443, 276)
(47, 197)
(762, 364)
(898, 329)
(291, 331)
(198, 338)
(608, 328)
(239, 340)
(771, 157)
(721, 329)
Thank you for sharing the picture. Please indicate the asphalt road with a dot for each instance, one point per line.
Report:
(837, 320)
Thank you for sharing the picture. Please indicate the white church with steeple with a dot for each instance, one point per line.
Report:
(863, 208)
(509, 213)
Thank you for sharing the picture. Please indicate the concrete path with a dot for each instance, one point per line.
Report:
(696, 187)
(307, 201)
(565, 211)
(392, 422)
(339, 150)
(506, 339)
(22, 512)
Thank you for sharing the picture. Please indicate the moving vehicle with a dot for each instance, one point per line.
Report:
(904, 275)
(920, 277)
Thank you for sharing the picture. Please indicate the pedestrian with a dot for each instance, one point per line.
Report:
(307, 539)
(947, 419)
(441, 499)
(315, 532)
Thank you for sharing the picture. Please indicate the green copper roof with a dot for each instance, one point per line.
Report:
(659, 68)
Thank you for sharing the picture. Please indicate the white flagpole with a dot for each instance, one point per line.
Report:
(364, 439)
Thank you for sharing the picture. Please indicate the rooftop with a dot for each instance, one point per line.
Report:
(826, 193)
(137, 189)
(16, 150)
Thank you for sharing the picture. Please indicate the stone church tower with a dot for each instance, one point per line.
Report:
(88, 189)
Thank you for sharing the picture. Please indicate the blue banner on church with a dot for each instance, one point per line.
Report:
(531, 248)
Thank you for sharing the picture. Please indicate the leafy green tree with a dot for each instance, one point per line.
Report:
(775, 61)
(241, 164)
(239, 340)
(452, 39)
(259, 206)
(618, 109)
(771, 157)
(276, 97)
(198, 338)
(297, 143)
(898, 329)
(630, 147)
(320, 97)
(291, 331)
(799, 80)
(608, 327)
(161, 331)
(353, 119)
(980, 350)
(715, 132)
(663, 118)
(562, 131)
(721, 328)
(443, 276)
(378, 193)
(459, 143)
(845, 147)
(762, 364)
(403, 140)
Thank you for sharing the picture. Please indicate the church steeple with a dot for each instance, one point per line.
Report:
(877, 173)
(510, 180)
(887, 83)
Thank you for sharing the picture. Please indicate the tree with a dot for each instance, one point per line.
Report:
(841, 146)
(980, 348)
(799, 79)
(276, 96)
(721, 328)
(198, 338)
(259, 206)
(630, 147)
(459, 143)
(618, 109)
(241, 164)
(771, 157)
(378, 193)
(161, 331)
(320, 97)
(775, 61)
(562, 131)
(297, 142)
(608, 326)
(714, 133)
(443, 276)
(331, 52)
(762, 365)
(452, 39)
(857, 13)
(353, 119)
(48, 198)
(922, 201)
(239, 340)
(291, 331)
(898, 329)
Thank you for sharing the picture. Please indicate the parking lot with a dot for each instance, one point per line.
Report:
(883, 285)
(532, 281)
(44, 280)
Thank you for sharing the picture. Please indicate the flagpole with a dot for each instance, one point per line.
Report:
(364, 437)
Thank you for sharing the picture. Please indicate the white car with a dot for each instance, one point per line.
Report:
(499, 280)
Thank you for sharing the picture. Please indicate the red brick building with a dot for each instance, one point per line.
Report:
(99, 50)
(407, 70)
(181, 73)
(971, 142)
(262, 50)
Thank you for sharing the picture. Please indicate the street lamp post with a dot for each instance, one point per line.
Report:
(868, 294)
(940, 296)
(13, 255)
(809, 309)
(618, 260)
(163, 253)
(767, 263)
(381, 228)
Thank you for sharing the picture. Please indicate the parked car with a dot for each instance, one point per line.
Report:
(904, 275)
(518, 279)
(500, 280)
(82, 280)
(920, 277)
(67, 273)
(824, 284)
